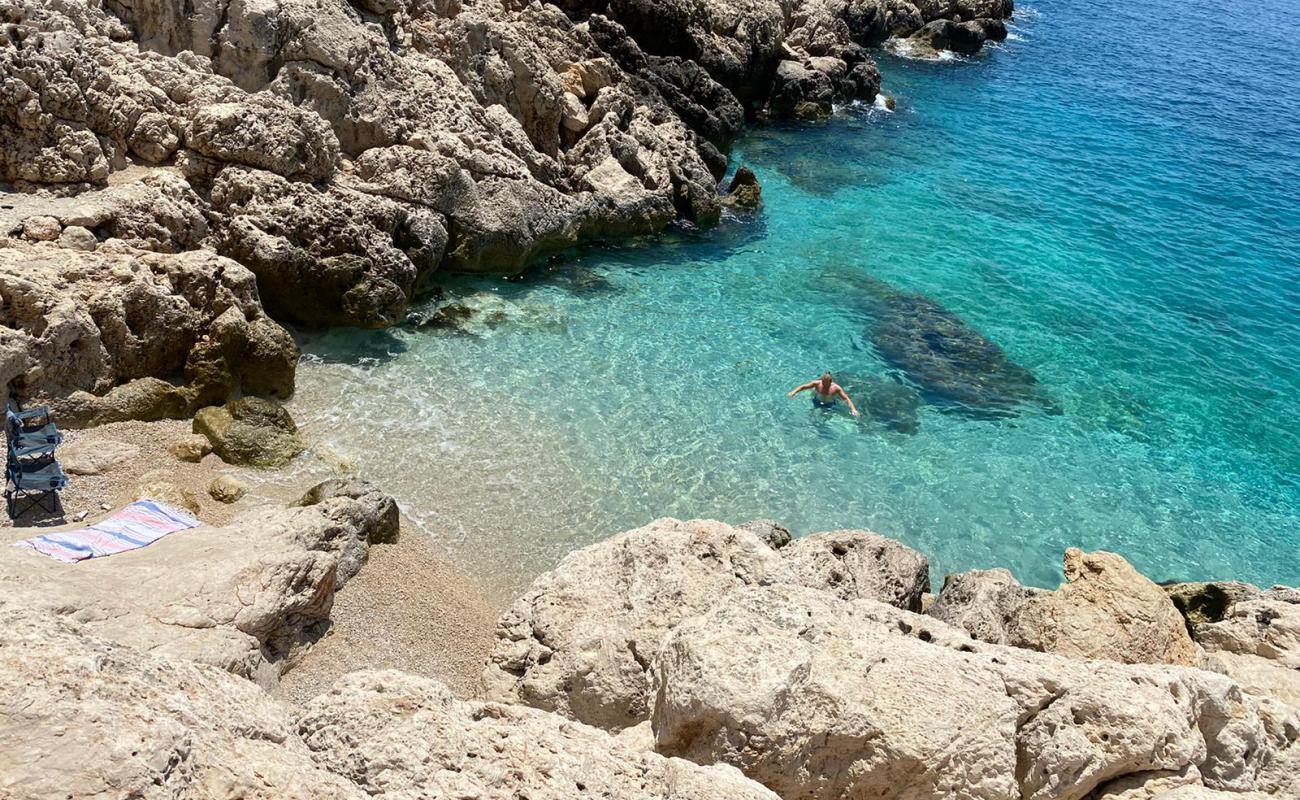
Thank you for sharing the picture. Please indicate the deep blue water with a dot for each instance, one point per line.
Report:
(1113, 197)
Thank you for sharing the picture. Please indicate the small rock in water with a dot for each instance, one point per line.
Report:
(744, 190)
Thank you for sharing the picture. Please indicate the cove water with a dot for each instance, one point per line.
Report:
(1112, 196)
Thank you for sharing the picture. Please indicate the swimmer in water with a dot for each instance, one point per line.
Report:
(825, 392)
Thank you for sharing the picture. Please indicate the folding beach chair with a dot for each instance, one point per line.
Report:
(31, 472)
(36, 480)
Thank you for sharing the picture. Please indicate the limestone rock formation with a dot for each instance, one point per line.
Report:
(85, 716)
(818, 697)
(987, 604)
(397, 735)
(84, 458)
(1257, 644)
(245, 598)
(250, 431)
(580, 640)
(859, 564)
(343, 153)
(1105, 610)
(95, 333)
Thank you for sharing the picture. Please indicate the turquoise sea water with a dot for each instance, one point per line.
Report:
(1113, 196)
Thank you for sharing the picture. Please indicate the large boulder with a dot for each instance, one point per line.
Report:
(250, 431)
(1106, 609)
(580, 640)
(818, 697)
(397, 735)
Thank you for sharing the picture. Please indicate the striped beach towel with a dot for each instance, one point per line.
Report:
(141, 523)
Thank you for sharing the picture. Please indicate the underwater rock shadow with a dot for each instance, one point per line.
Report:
(956, 368)
(890, 403)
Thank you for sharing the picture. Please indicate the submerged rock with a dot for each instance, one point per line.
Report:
(890, 403)
(952, 362)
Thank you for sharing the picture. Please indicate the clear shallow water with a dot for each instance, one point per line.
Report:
(1113, 196)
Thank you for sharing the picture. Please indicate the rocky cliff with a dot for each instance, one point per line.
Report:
(683, 659)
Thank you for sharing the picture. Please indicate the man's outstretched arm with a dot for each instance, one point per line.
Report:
(796, 390)
(849, 400)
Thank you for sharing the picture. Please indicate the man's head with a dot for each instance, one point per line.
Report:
(826, 379)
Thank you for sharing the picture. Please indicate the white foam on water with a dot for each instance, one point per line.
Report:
(881, 104)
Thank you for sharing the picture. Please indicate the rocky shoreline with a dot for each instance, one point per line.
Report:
(182, 182)
(214, 172)
(682, 659)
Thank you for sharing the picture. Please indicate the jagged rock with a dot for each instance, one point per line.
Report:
(394, 734)
(858, 564)
(798, 91)
(250, 431)
(357, 258)
(191, 448)
(817, 697)
(386, 524)
(1106, 609)
(1256, 642)
(959, 37)
(984, 603)
(258, 133)
(227, 489)
(1263, 627)
(85, 716)
(94, 458)
(84, 323)
(744, 190)
(580, 640)
(772, 533)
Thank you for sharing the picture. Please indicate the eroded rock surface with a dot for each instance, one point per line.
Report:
(245, 597)
(1106, 609)
(396, 735)
(96, 333)
(818, 697)
(581, 640)
(85, 716)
